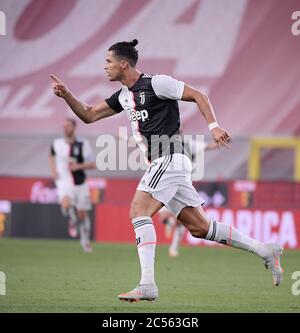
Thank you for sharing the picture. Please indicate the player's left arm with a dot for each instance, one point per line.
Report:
(220, 135)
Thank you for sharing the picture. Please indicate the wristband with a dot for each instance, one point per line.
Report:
(213, 125)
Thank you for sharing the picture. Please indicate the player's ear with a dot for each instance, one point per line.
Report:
(124, 64)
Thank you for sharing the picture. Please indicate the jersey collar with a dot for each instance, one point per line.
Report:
(136, 82)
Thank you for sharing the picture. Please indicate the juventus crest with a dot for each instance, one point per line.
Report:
(142, 98)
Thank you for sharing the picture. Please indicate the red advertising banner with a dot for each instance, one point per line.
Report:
(112, 224)
(233, 194)
(42, 190)
(268, 226)
(268, 211)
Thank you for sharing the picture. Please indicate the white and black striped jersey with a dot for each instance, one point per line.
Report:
(65, 153)
(152, 109)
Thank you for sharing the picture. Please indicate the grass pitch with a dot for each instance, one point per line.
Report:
(55, 276)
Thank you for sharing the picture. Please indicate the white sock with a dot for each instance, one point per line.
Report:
(146, 243)
(229, 235)
(177, 237)
(84, 231)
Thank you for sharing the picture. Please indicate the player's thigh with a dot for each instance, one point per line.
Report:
(65, 193)
(82, 200)
(66, 202)
(143, 204)
(81, 214)
(195, 220)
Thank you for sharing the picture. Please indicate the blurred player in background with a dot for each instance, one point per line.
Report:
(151, 104)
(69, 158)
(173, 227)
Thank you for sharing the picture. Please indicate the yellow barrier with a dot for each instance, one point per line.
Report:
(257, 143)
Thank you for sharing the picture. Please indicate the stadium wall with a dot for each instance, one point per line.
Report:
(268, 211)
(247, 63)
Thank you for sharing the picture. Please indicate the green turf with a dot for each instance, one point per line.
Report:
(55, 276)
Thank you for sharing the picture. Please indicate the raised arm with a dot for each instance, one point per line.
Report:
(220, 135)
(87, 113)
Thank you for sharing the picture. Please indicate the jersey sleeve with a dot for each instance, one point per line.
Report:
(166, 87)
(113, 102)
(88, 153)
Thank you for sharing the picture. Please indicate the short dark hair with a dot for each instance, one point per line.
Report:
(72, 121)
(126, 50)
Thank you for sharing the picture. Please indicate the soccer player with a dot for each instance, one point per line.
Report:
(151, 104)
(69, 158)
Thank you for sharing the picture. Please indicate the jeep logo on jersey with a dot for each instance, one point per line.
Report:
(142, 98)
(138, 115)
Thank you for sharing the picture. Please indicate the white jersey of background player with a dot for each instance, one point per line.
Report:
(69, 158)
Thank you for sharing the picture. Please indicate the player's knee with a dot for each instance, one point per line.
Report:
(136, 209)
(81, 214)
(132, 211)
(65, 203)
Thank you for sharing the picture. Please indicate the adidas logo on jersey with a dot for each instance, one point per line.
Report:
(138, 115)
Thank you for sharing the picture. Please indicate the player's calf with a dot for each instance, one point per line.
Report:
(195, 221)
